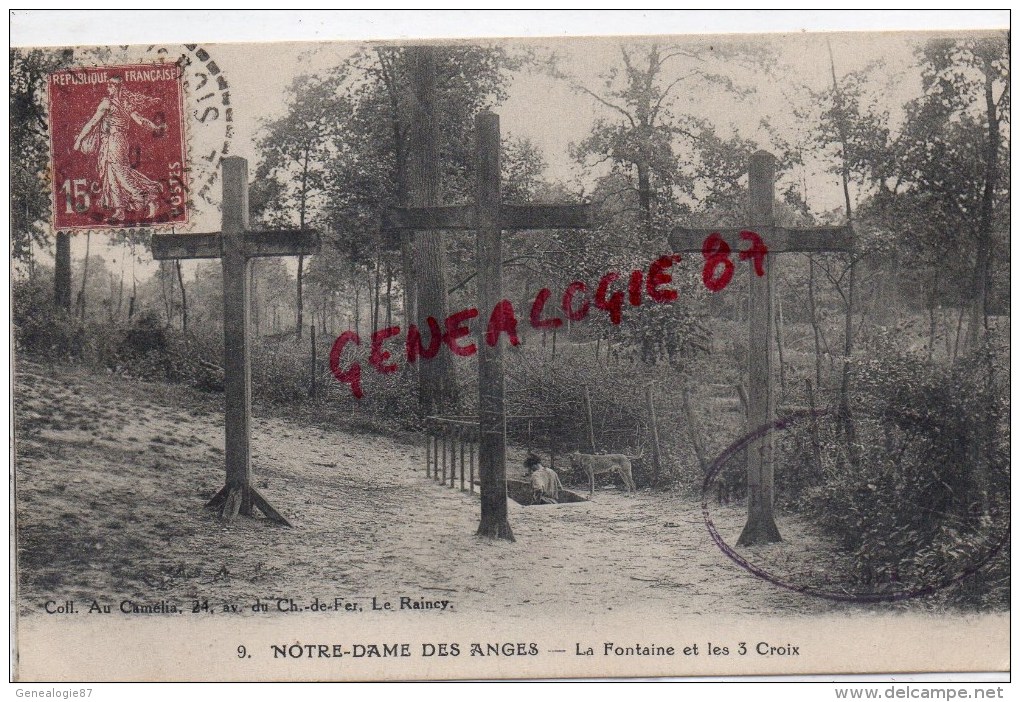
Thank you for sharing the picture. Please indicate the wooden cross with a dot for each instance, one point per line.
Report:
(761, 525)
(236, 246)
(489, 216)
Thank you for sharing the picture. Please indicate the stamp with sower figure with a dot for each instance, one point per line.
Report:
(117, 147)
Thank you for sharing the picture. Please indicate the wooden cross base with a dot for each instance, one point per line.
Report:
(236, 499)
(760, 527)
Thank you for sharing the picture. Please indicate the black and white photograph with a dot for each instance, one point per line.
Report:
(667, 355)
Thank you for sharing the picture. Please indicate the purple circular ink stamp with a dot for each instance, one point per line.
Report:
(843, 594)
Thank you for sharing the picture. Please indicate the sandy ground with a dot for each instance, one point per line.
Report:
(112, 475)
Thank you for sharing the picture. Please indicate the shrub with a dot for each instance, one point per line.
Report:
(41, 329)
(920, 498)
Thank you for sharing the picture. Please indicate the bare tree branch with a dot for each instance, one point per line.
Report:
(665, 94)
(599, 98)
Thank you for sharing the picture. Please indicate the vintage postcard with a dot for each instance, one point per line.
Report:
(589, 357)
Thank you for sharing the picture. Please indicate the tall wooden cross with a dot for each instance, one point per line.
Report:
(761, 525)
(236, 246)
(489, 216)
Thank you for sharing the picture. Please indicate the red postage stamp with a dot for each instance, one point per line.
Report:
(117, 145)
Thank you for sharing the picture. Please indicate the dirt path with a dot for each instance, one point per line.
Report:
(112, 474)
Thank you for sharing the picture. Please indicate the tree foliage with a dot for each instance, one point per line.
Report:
(647, 134)
(29, 145)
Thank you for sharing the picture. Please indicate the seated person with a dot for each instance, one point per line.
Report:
(545, 483)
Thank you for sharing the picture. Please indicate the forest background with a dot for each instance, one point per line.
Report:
(908, 141)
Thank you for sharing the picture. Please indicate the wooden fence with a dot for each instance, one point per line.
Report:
(451, 444)
(451, 447)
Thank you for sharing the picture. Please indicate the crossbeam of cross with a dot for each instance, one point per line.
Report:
(761, 526)
(235, 246)
(489, 217)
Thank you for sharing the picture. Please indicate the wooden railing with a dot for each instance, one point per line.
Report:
(446, 439)
(451, 445)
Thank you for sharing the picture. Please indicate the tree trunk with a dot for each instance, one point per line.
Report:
(334, 317)
(694, 429)
(959, 327)
(301, 259)
(588, 418)
(378, 289)
(779, 347)
(357, 310)
(983, 276)
(850, 433)
(389, 295)
(814, 322)
(62, 272)
(407, 244)
(436, 385)
(300, 295)
(120, 290)
(645, 198)
(184, 297)
(134, 292)
(742, 396)
(846, 417)
(408, 279)
(372, 325)
(653, 423)
(816, 444)
(110, 315)
(31, 256)
(82, 302)
(932, 321)
(983, 267)
(167, 304)
(312, 364)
